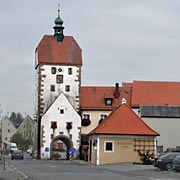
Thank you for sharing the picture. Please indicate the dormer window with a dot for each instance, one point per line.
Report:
(108, 101)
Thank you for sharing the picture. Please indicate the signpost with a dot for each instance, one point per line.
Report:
(71, 153)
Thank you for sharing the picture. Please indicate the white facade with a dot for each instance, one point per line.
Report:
(54, 79)
(61, 112)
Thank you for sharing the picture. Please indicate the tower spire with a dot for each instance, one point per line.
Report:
(58, 28)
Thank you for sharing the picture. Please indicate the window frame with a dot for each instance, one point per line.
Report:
(59, 78)
(108, 101)
(105, 147)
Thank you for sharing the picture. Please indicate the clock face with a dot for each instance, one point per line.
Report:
(59, 69)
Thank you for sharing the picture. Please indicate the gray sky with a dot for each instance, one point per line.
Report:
(122, 41)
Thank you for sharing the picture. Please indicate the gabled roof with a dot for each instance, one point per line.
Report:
(49, 51)
(93, 97)
(123, 121)
(155, 93)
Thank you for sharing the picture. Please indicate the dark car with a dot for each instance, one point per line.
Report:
(165, 162)
(17, 154)
(176, 163)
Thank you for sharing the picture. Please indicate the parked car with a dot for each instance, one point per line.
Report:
(165, 162)
(29, 151)
(17, 154)
(176, 163)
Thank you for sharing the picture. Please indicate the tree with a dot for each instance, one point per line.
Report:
(16, 119)
(21, 142)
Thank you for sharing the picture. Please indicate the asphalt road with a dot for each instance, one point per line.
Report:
(77, 170)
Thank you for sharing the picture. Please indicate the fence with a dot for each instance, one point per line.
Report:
(4, 163)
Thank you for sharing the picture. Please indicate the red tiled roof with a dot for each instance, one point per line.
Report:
(49, 51)
(93, 97)
(124, 121)
(155, 93)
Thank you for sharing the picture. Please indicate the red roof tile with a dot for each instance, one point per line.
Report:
(49, 51)
(155, 93)
(93, 97)
(124, 121)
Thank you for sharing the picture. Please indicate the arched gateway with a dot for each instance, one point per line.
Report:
(59, 147)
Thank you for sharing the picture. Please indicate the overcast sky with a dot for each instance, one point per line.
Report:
(122, 41)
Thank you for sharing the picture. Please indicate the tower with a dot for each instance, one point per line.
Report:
(58, 62)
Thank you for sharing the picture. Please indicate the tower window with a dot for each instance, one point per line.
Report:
(67, 88)
(59, 79)
(53, 70)
(69, 71)
(52, 88)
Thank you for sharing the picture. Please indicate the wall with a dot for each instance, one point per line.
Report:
(94, 117)
(45, 78)
(124, 150)
(169, 130)
(53, 114)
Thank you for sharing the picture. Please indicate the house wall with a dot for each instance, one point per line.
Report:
(8, 129)
(27, 128)
(95, 118)
(53, 114)
(168, 128)
(124, 149)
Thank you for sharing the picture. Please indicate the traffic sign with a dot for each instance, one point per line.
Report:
(72, 151)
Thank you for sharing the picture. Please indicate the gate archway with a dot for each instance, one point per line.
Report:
(60, 146)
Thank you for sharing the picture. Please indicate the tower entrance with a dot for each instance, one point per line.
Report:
(59, 147)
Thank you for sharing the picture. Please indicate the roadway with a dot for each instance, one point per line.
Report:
(77, 170)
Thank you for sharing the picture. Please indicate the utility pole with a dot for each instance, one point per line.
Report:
(39, 137)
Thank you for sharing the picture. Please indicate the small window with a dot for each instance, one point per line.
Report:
(59, 79)
(53, 70)
(86, 116)
(53, 124)
(69, 71)
(61, 111)
(8, 130)
(108, 101)
(68, 125)
(67, 88)
(52, 88)
(103, 116)
(109, 146)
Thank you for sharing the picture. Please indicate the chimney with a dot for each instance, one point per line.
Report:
(117, 93)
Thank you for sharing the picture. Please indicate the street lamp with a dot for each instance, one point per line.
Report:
(35, 138)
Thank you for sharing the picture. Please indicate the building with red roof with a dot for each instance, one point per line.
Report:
(120, 136)
(58, 62)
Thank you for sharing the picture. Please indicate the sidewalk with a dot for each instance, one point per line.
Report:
(10, 173)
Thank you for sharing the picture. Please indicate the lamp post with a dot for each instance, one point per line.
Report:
(35, 132)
